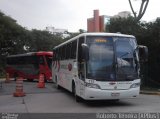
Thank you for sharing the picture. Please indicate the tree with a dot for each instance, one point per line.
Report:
(42, 41)
(142, 9)
(11, 36)
(125, 26)
(152, 40)
(14, 39)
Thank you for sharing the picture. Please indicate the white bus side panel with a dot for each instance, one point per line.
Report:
(65, 71)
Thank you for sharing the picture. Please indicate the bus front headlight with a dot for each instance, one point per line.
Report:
(91, 85)
(135, 85)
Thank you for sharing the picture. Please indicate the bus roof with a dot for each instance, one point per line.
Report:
(33, 53)
(44, 53)
(96, 34)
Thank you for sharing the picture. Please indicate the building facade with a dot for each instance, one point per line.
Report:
(98, 23)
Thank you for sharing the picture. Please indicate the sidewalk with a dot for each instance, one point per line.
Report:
(142, 91)
(148, 92)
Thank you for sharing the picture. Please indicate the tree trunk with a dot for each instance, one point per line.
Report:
(142, 9)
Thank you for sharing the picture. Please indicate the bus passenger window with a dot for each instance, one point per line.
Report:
(74, 49)
(41, 60)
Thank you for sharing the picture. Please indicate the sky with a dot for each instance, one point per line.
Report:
(69, 14)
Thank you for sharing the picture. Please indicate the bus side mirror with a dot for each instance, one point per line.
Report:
(85, 52)
(143, 53)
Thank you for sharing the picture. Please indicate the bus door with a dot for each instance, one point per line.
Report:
(48, 66)
(81, 78)
(81, 68)
(41, 65)
(49, 62)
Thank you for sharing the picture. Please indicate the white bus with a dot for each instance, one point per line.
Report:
(99, 66)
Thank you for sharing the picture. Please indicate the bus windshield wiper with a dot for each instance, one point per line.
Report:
(124, 54)
(121, 62)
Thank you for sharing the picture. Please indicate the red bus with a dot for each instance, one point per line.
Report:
(30, 65)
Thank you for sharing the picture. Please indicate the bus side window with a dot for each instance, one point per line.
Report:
(68, 47)
(41, 60)
(81, 41)
(63, 52)
(81, 71)
(58, 55)
(9, 60)
(74, 49)
(54, 56)
(21, 60)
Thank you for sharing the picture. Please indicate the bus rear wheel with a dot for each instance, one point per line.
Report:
(30, 80)
(115, 100)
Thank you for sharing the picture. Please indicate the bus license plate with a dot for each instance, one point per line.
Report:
(115, 94)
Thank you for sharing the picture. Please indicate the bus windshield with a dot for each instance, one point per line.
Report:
(127, 58)
(112, 58)
(101, 58)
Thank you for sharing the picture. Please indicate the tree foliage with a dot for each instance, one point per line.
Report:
(14, 39)
(41, 41)
(11, 38)
(11, 35)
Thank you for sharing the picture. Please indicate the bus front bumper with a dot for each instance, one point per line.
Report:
(98, 94)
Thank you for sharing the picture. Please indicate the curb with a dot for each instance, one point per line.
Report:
(150, 93)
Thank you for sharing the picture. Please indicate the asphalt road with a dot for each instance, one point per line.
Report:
(51, 100)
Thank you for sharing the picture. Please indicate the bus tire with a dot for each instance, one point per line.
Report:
(77, 98)
(30, 80)
(115, 100)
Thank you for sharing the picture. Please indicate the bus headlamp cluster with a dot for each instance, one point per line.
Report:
(135, 85)
(91, 85)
